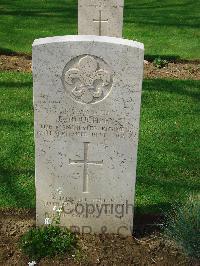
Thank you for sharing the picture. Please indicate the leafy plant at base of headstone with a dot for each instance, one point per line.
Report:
(47, 241)
(160, 63)
(183, 226)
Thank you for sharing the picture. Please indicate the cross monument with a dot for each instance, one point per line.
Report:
(85, 162)
(109, 13)
(100, 21)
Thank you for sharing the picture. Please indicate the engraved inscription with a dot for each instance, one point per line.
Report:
(80, 124)
(85, 163)
(100, 21)
(87, 79)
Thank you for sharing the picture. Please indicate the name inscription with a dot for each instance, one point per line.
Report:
(86, 126)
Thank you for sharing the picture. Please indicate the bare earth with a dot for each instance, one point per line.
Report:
(184, 70)
(149, 249)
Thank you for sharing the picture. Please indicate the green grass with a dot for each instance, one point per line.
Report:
(168, 28)
(16, 142)
(168, 166)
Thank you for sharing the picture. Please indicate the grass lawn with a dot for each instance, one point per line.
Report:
(168, 168)
(168, 28)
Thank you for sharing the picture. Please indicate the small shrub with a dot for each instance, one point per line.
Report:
(47, 241)
(160, 63)
(183, 226)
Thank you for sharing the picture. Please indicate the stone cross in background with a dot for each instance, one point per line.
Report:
(100, 21)
(100, 17)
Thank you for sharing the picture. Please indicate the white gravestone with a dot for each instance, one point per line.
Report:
(87, 92)
(100, 17)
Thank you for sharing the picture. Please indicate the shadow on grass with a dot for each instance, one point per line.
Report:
(50, 12)
(9, 52)
(147, 223)
(17, 124)
(183, 87)
(67, 12)
(162, 13)
(169, 58)
(160, 4)
(14, 189)
(6, 51)
(16, 165)
(16, 84)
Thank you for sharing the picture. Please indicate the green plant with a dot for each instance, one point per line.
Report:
(159, 62)
(183, 226)
(47, 241)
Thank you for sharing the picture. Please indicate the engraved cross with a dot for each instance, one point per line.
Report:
(85, 162)
(100, 21)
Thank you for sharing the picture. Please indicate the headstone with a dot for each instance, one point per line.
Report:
(100, 17)
(87, 92)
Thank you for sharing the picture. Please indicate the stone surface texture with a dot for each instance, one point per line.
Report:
(100, 17)
(87, 95)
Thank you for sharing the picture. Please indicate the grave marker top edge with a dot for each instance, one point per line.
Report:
(106, 2)
(85, 38)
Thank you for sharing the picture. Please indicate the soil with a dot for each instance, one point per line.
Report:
(174, 70)
(20, 63)
(149, 249)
